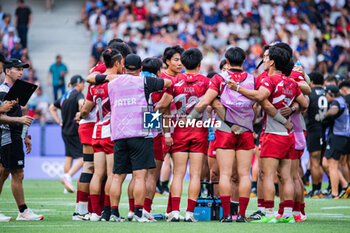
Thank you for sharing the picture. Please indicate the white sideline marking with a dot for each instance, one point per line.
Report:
(335, 207)
(38, 226)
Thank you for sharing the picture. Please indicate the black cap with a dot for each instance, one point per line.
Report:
(13, 62)
(332, 89)
(132, 62)
(76, 79)
(3, 58)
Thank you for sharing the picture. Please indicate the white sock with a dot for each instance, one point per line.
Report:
(76, 208)
(296, 213)
(235, 202)
(288, 211)
(270, 213)
(83, 207)
(262, 209)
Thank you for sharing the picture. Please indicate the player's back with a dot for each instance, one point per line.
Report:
(317, 108)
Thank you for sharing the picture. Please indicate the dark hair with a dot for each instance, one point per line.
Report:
(122, 47)
(286, 47)
(235, 56)
(211, 74)
(281, 58)
(222, 63)
(170, 51)
(316, 77)
(345, 84)
(331, 78)
(117, 40)
(152, 65)
(289, 67)
(191, 58)
(110, 56)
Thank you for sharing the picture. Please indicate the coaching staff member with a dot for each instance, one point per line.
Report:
(70, 103)
(133, 146)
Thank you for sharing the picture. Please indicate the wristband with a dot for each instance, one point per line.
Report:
(293, 110)
(278, 117)
(167, 135)
(100, 78)
(237, 88)
(193, 114)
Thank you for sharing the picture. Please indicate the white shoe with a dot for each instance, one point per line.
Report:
(95, 218)
(174, 216)
(85, 217)
(66, 180)
(114, 218)
(148, 215)
(304, 218)
(189, 217)
(130, 216)
(29, 215)
(4, 218)
(138, 219)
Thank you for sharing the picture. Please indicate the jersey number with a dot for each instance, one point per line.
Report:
(99, 109)
(322, 108)
(188, 103)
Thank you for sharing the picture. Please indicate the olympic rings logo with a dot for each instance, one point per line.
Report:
(53, 169)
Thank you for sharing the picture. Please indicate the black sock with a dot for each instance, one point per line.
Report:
(308, 173)
(158, 183)
(115, 211)
(22, 208)
(233, 208)
(277, 190)
(254, 184)
(138, 211)
(315, 187)
(165, 183)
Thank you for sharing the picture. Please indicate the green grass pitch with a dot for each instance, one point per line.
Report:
(47, 198)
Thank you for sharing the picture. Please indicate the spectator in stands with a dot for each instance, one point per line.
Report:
(97, 20)
(9, 39)
(96, 53)
(5, 24)
(16, 52)
(56, 75)
(23, 21)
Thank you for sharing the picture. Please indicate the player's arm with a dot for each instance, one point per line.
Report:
(273, 112)
(256, 95)
(86, 109)
(302, 101)
(7, 106)
(304, 88)
(167, 126)
(207, 100)
(54, 114)
(164, 102)
(24, 120)
(332, 111)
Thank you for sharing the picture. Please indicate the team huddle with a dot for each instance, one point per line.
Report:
(115, 142)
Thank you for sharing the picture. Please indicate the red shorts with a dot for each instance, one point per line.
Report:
(295, 154)
(166, 149)
(85, 133)
(244, 141)
(211, 149)
(276, 146)
(190, 141)
(103, 145)
(158, 147)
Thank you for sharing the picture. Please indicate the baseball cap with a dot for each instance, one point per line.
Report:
(3, 58)
(132, 62)
(13, 62)
(76, 79)
(332, 89)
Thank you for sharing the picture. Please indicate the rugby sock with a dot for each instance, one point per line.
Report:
(191, 204)
(302, 208)
(269, 208)
(261, 205)
(165, 184)
(83, 202)
(243, 204)
(95, 203)
(288, 208)
(319, 186)
(115, 211)
(234, 207)
(147, 205)
(296, 208)
(131, 204)
(281, 208)
(254, 184)
(22, 208)
(89, 205)
(169, 207)
(225, 202)
(102, 195)
(138, 210)
(175, 203)
(314, 187)
(77, 203)
(107, 201)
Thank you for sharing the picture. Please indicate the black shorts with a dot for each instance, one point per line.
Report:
(72, 146)
(315, 140)
(336, 146)
(12, 155)
(132, 154)
(347, 149)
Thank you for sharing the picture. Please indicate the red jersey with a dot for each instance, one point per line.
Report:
(297, 76)
(282, 90)
(99, 95)
(101, 68)
(156, 96)
(259, 79)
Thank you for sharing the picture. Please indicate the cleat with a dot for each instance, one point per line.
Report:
(240, 218)
(76, 217)
(4, 218)
(252, 195)
(256, 215)
(298, 218)
(29, 215)
(86, 217)
(140, 219)
(325, 192)
(114, 218)
(279, 216)
(105, 216)
(227, 218)
(265, 219)
(290, 219)
(342, 193)
(174, 216)
(66, 180)
(347, 193)
(304, 218)
(330, 196)
(189, 217)
(166, 215)
(148, 215)
(95, 218)
(130, 216)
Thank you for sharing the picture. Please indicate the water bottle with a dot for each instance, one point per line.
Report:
(25, 131)
(158, 216)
